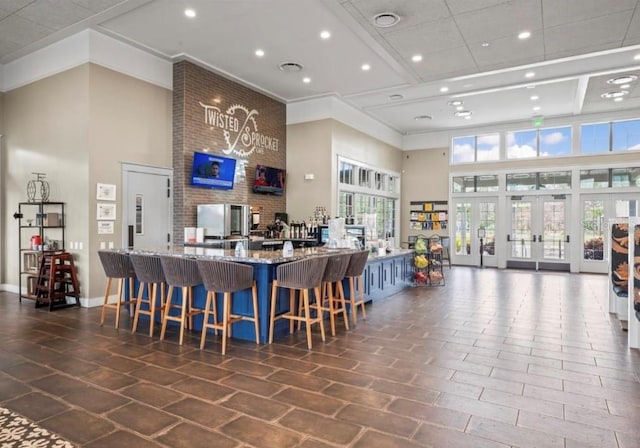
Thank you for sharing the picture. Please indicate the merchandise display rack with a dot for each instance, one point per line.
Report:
(427, 262)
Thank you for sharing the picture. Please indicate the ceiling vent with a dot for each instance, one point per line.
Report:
(423, 117)
(385, 19)
(290, 67)
(395, 97)
(615, 94)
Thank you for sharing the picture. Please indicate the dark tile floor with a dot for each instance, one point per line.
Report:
(493, 359)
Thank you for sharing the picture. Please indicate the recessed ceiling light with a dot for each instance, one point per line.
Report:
(444, 89)
(615, 94)
(524, 35)
(468, 117)
(455, 103)
(290, 67)
(618, 99)
(459, 107)
(191, 13)
(423, 117)
(636, 57)
(531, 86)
(622, 80)
(259, 53)
(536, 108)
(365, 67)
(485, 44)
(395, 97)
(416, 58)
(463, 113)
(385, 19)
(325, 35)
(306, 80)
(529, 75)
(534, 97)
(625, 86)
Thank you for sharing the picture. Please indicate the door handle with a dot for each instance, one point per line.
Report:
(130, 237)
(508, 237)
(566, 239)
(534, 238)
(539, 238)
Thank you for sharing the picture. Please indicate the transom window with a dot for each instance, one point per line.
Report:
(551, 142)
(481, 148)
(616, 136)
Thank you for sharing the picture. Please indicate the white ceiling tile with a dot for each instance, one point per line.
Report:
(411, 12)
(508, 50)
(505, 19)
(586, 34)
(6, 46)
(460, 6)
(96, 5)
(15, 5)
(447, 63)
(436, 37)
(4, 13)
(21, 31)
(54, 14)
(568, 11)
(634, 26)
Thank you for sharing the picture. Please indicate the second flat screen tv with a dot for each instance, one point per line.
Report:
(212, 171)
(269, 180)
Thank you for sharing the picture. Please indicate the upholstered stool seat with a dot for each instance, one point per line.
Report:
(149, 271)
(298, 276)
(117, 265)
(180, 273)
(227, 278)
(354, 272)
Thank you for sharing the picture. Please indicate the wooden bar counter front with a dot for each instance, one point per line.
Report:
(383, 276)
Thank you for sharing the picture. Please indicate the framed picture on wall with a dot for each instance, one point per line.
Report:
(106, 192)
(106, 212)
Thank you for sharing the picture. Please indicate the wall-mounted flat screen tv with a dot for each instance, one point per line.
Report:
(269, 180)
(212, 171)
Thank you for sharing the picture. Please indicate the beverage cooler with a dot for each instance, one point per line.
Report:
(224, 220)
(352, 230)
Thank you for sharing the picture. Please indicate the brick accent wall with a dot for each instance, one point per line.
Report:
(193, 85)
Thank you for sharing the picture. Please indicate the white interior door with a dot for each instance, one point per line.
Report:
(538, 235)
(147, 193)
(474, 231)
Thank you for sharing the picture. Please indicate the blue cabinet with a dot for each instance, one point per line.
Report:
(386, 276)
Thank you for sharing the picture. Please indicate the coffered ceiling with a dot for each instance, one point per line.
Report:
(470, 47)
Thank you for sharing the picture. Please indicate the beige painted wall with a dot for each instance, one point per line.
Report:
(308, 152)
(425, 177)
(46, 126)
(130, 121)
(2, 192)
(78, 126)
(313, 148)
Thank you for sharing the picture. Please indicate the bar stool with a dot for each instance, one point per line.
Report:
(226, 277)
(298, 276)
(354, 272)
(180, 273)
(149, 271)
(117, 265)
(332, 298)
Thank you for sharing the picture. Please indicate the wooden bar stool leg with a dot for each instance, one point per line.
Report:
(319, 296)
(131, 295)
(305, 297)
(254, 295)
(136, 315)
(225, 321)
(183, 312)
(152, 290)
(106, 301)
(166, 312)
(343, 304)
(119, 302)
(332, 318)
(352, 300)
(205, 321)
(361, 286)
(292, 307)
(272, 314)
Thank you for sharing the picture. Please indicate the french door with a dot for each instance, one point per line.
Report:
(597, 209)
(474, 239)
(538, 232)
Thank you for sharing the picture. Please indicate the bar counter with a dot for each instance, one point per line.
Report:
(383, 276)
